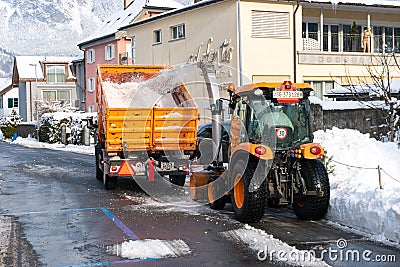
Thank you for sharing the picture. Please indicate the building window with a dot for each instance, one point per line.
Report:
(12, 102)
(62, 96)
(157, 37)
(178, 32)
(1, 102)
(91, 85)
(109, 52)
(269, 24)
(90, 108)
(55, 73)
(321, 88)
(90, 56)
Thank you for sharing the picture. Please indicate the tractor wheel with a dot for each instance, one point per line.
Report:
(178, 180)
(109, 182)
(313, 207)
(216, 196)
(248, 206)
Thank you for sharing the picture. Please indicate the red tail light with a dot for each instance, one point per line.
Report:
(260, 150)
(316, 150)
(114, 168)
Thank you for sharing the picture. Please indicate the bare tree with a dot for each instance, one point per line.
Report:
(377, 84)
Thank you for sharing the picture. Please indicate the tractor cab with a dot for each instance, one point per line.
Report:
(275, 115)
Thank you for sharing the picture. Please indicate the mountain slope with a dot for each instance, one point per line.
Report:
(47, 27)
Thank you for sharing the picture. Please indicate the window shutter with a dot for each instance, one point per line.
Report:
(10, 102)
(269, 24)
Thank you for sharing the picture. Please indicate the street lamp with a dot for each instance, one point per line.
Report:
(36, 87)
(36, 104)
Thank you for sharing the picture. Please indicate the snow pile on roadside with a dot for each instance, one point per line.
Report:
(1, 135)
(33, 143)
(356, 199)
(272, 249)
(150, 249)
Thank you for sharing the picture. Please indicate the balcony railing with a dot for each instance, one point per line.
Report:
(346, 42)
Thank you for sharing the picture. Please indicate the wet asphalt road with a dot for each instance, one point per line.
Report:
(60, 215)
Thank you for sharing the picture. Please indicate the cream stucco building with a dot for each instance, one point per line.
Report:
(271, 40)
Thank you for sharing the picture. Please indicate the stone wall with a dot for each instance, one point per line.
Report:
(364, 120)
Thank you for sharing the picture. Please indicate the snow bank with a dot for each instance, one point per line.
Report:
(272, 249)
(356, 198)
(150, 249)
(1, 135)
(33, 143)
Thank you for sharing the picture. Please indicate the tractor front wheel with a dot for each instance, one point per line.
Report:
(248, 206)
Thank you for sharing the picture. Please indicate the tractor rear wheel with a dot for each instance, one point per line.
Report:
(313, 207)
(248, 206)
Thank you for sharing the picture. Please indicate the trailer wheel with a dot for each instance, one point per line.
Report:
(109, 182)
(313, 207)
(178, 179)
(216, 196)
(248, 206)
(99, 172)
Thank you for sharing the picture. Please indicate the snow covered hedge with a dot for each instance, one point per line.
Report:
(51, 124)
(8, 125)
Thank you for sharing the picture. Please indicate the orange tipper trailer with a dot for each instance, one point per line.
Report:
(145, 129)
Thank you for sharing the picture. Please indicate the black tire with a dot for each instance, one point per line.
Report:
(177, 179)
(109, 182)
(313, 207)
(249, 207)
(99, 172)
(215, 193)
(98, 157)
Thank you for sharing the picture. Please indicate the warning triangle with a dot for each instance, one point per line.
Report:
(126, 169)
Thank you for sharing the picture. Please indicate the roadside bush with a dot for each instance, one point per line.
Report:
(50, 127)
(9, 124)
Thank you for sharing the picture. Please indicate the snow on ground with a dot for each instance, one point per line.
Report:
(356, 198)
(150, 249)
(33, 143)
(272, 249)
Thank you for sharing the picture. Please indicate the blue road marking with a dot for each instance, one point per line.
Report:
(120, 224)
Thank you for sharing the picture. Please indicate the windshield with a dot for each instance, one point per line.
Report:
(287, 125)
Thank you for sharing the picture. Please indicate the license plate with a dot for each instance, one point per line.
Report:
(166, 166)
(287, 94)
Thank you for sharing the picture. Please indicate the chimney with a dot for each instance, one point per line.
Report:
(127, 3)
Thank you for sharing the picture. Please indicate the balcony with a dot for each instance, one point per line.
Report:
(342, 48)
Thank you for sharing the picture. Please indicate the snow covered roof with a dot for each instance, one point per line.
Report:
(30, 67)
(345, 105)
(360, 2)
(364, 89)
(4, 82)
(5, 85)
(125, 17)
